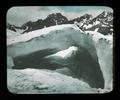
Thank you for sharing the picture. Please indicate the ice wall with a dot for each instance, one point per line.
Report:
(105, 56)
(104, 51)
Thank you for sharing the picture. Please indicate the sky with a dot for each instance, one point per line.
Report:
(19, 15)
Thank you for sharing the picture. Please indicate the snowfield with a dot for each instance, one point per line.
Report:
(67, 40)
(44, 81)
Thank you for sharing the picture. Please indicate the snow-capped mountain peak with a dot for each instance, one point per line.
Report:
(103, 21)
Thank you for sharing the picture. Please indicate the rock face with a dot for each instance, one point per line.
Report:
(104, 23)
(82, 20)
(50, 20)
(13, 31)
(55, 19)
(13, 27)
(88, 63)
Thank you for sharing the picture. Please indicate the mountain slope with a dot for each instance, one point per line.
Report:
(13, 30)
(50, 20)
(103, 22)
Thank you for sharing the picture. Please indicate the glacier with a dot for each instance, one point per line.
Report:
(64, 39)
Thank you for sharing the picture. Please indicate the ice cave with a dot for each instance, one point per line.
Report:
(91, 61)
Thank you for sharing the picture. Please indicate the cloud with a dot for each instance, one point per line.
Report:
(20, 15)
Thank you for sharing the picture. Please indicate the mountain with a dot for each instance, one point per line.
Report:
(55, 19)
(103, 22)
(30, 26)
(13, 30)
(81, 20)
(50, 20)
(13, 27)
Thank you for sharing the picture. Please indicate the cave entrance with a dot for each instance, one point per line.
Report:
(83, 65)
(35, 60)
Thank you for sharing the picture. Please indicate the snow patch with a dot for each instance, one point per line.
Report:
(87, 26)
(96, 36)
(64, 53)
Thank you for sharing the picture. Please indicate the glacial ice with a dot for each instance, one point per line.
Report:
(60, 37)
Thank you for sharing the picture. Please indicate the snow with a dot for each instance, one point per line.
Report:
(60, 37)
(106, 13)
(104, 49)
(111, 25)
(87, 26)
(63, 38)
(111, 29)
(11, 34)
(65, 53)
(36, 81)
(10, 62)
(96, 36)
(104, 25)
(36, 33)
(96, 22)
(96, 29)
(90, 25)
(65, 71)
(105, 56)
